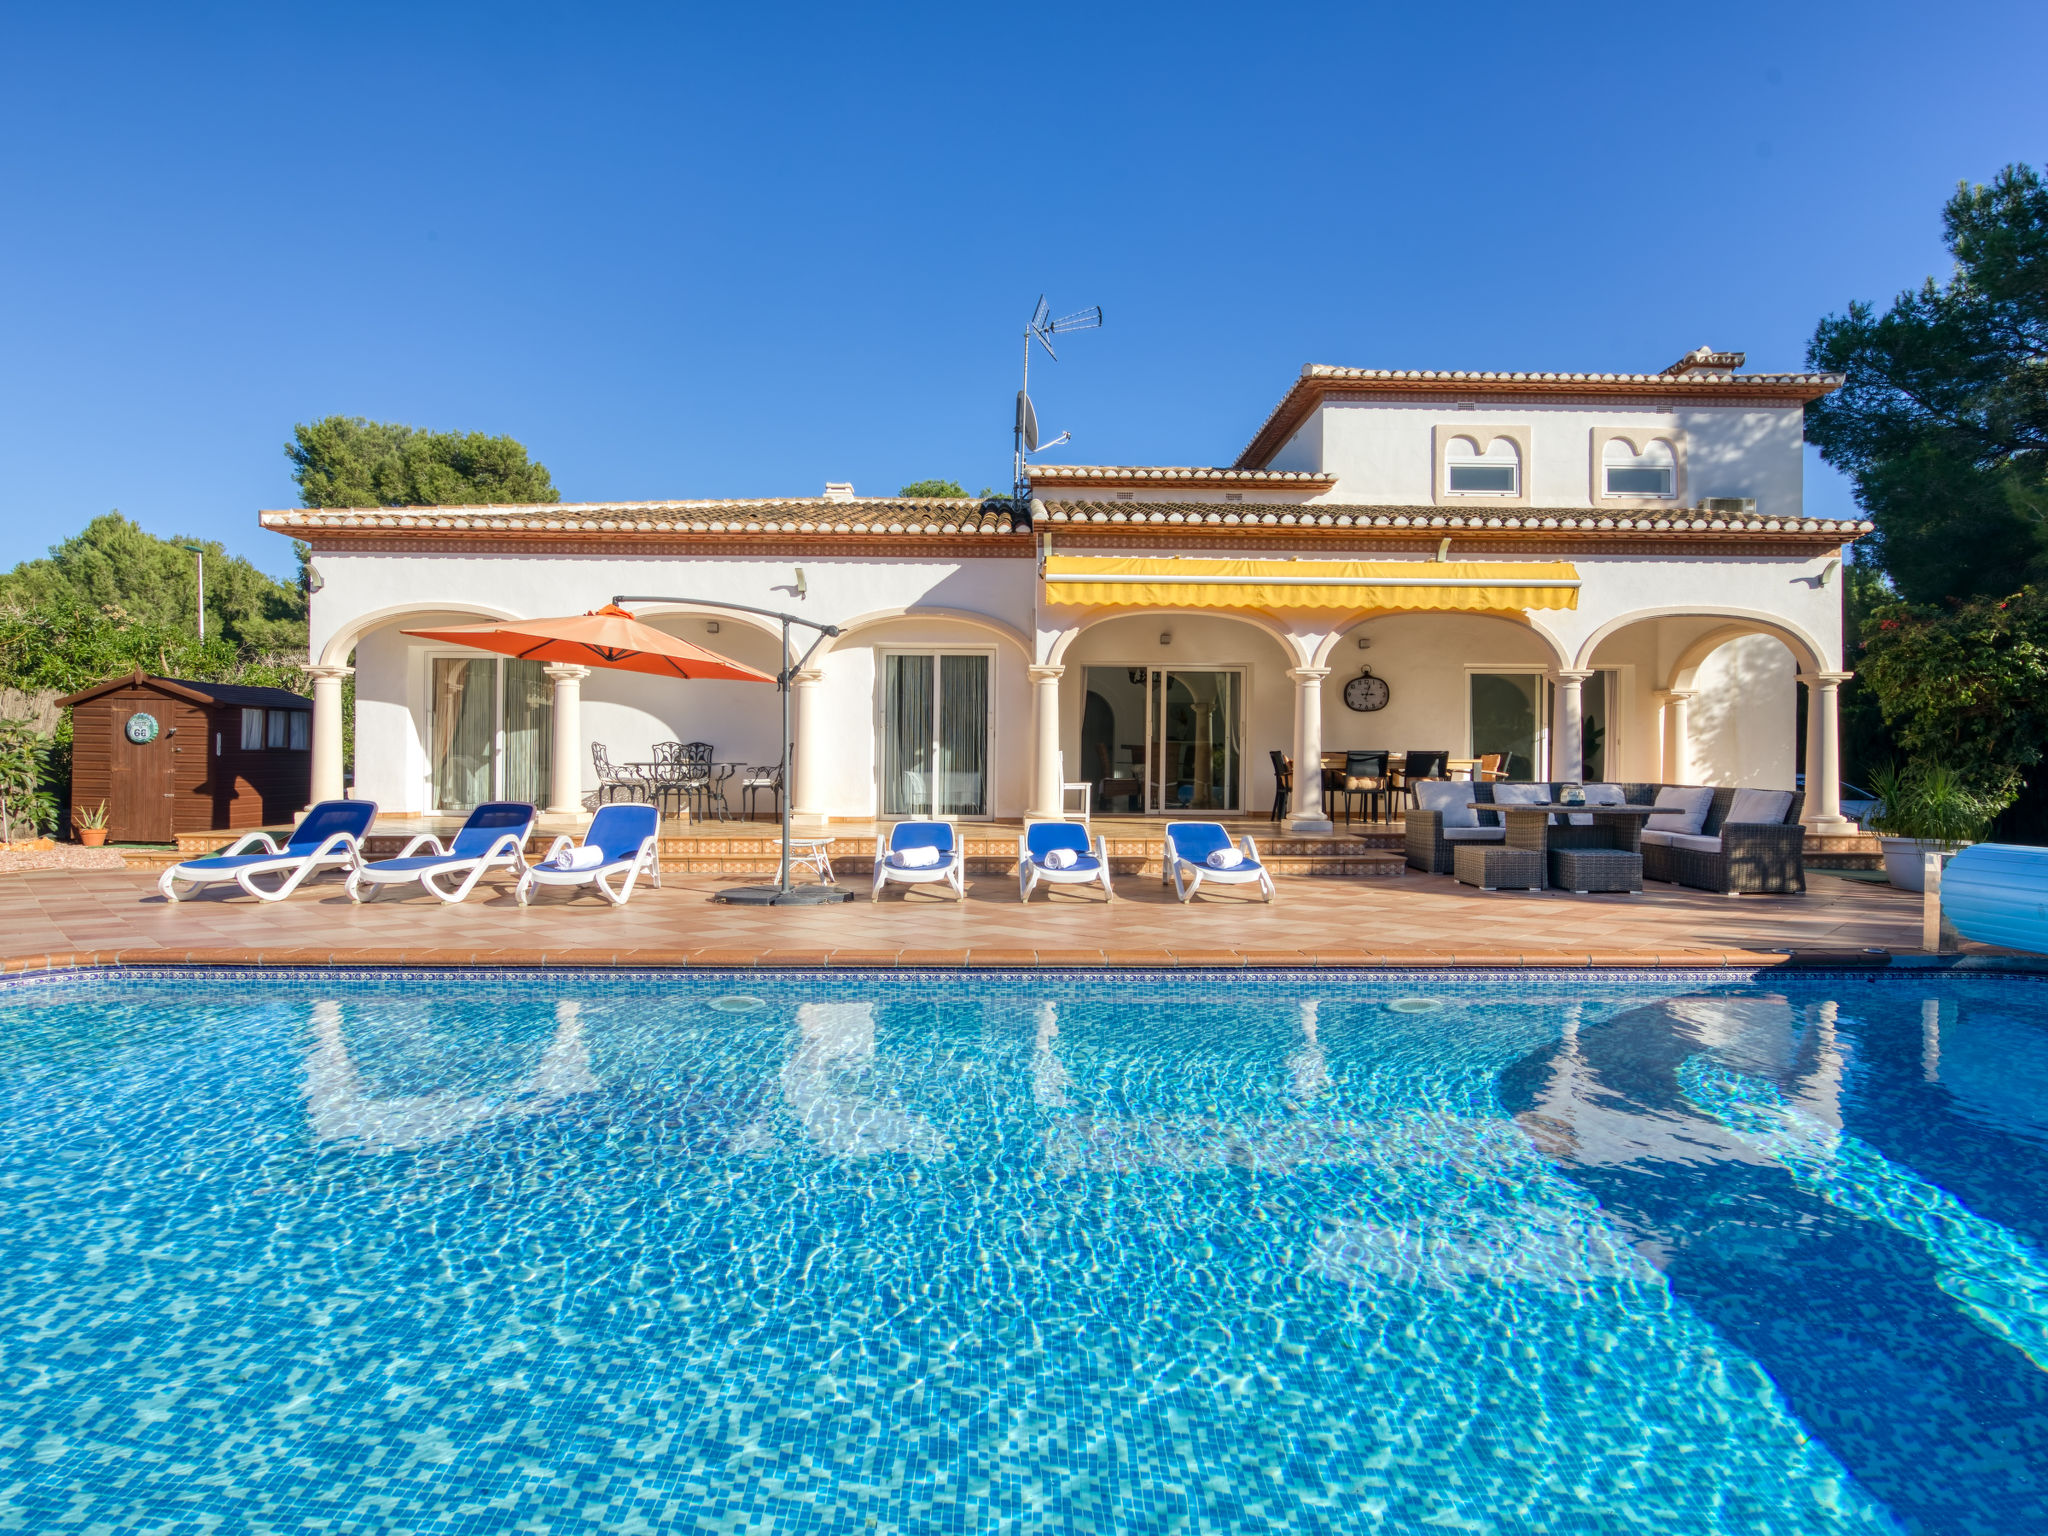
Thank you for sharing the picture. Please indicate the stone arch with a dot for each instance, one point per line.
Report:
(335, 652)
(1810, 654)
(1327, 647)
(1288, 643)
(878, 616)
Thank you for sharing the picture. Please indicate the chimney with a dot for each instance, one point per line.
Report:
(1706, 361)
(839, 490)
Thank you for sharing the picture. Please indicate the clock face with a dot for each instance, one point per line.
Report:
(142, 729)
(1366, 692)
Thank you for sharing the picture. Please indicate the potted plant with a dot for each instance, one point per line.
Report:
(91, 825)
(1926, 808)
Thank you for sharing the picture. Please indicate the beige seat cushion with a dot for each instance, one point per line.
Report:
(1475, 834)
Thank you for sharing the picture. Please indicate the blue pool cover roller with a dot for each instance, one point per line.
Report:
(1997, 893)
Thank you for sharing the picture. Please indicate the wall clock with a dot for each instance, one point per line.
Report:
(1366, 693)
(142, 729)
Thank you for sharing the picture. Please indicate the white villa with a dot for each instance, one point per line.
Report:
(1606, 576)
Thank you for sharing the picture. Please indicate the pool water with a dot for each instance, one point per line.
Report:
(346, 1253)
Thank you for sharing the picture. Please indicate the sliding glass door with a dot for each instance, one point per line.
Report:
(935, 720)
(1510, 714)
(1197, 756)
(489, 731)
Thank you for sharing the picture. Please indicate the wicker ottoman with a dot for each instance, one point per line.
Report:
(1582, 870)
(1491, 866)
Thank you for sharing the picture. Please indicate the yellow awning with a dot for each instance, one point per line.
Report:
(1468, 585)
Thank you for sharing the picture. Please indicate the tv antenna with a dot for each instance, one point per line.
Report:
(1043, 327)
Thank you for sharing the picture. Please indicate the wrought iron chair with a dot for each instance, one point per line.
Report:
(1283, 784)
(611, 781)
(755, 781)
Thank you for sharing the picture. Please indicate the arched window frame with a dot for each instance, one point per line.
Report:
(1638, 439)
(1483, 434)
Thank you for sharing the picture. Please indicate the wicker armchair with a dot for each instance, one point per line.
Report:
(1429, 850)
(1753, 859)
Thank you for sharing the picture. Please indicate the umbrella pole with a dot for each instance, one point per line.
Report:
(788, 780)
(782, 893)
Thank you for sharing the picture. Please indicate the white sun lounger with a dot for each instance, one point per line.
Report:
(494, 837)
(1035, 842)
(627, 839)
(950, 868)
(329, 836)
(1188, 846)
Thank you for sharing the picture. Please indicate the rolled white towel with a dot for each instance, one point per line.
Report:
(915, 858)
(1225, 858)
(1059, 858)
(586, 857)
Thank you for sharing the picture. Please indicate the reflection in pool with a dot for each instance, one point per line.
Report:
(987, 1253)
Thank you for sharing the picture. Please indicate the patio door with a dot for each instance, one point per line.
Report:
(1510, 715)
(489, 731)
(1195, 747)
(935, 728)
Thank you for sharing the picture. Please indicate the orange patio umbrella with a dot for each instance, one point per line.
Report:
(607, 637)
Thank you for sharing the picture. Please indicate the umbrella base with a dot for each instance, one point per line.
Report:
(775, 896)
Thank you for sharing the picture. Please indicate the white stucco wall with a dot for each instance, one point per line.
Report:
(1383, 452)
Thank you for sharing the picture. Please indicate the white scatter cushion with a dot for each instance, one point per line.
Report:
(1475, 834)
(1761, 805)
(915, 858)
(1225, 858)
(1523, 794)
(1600, 794)
(1681, 809)
(1450, 799)
(1695, 842)
(1059, 858)
(1661, 839)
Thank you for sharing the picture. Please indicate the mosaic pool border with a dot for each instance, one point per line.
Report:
(1236, 979)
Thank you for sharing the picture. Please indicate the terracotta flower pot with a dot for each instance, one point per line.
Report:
(92, 837)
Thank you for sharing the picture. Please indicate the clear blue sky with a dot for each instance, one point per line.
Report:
(740, 251)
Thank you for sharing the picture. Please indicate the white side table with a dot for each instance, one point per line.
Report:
(812, 853)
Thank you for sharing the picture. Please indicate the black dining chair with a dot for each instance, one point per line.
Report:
(1365, 775)
(1419, 765)
(1283, 784)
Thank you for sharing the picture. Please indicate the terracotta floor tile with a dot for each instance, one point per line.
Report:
(1275, 959)
(1070, 957)
(731, 957)
(865, 959)
(1228, 959)
(803, 959)
(982, 957)
(933, 959)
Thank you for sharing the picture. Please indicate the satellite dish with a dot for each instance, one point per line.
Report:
(1027, 422)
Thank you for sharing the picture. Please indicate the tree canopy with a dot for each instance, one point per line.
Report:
(1943, 419)
(944, 488)
(346, 461)
(116, 573)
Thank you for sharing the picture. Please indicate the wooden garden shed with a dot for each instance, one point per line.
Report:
(170, 756)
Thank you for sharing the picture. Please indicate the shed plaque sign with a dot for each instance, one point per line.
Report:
(142, 729)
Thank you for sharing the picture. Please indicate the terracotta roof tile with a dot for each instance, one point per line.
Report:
(864, 515)
(1166, 516)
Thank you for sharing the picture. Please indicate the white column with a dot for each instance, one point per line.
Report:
(1309, 816)
(565, 760)
(1045, 744)
(809, 752)
(1823, 813)
(1568, 752)
(1677, 736)
(327, 731)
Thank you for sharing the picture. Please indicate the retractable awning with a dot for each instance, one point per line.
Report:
(1458, 585)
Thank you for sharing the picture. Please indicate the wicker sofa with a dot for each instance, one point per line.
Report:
(1734, 858)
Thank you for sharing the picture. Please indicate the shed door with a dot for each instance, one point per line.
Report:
(144, 777)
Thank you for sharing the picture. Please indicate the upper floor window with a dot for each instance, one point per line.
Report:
(1624, 472)
(1495, 470)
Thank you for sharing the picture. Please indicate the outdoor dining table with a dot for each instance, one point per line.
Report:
(1528, 825)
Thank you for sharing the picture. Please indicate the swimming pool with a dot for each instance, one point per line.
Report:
(352, 1253)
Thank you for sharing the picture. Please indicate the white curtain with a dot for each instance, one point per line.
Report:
(963, 735)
